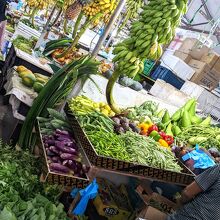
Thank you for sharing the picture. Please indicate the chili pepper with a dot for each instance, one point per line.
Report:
(162, 134)
(144, 128)
(152, 128)
(169, 139)
(163, 143)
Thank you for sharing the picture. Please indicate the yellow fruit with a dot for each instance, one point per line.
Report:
(24, 73)
(21, 68)
(28, 80)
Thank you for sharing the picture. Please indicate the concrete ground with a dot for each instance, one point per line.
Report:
(6, 121)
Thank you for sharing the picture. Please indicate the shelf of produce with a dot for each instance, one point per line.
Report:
(126, 168)
(58, 178)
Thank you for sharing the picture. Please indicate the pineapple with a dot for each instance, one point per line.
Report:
(74, 9)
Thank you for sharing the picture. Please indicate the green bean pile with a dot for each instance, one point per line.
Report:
(96, 121)
(146, 151)
(108, 144)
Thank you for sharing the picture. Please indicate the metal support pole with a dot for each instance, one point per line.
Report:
(108, 27)
(45, 29)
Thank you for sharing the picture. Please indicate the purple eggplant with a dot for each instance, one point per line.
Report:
(61, 146)
(58, 131)
(51, 142)
(50, 153)
(65, 163)
(72, 145)
(72, 165)
(54, 150)
(59, 168)
(66, 156)
(56, 159)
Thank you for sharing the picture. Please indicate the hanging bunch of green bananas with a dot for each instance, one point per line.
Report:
(132, 8)
(156, 26)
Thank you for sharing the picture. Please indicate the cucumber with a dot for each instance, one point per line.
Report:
(55, 41)
(55, 114)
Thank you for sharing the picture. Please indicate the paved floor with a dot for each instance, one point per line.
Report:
(6, 122)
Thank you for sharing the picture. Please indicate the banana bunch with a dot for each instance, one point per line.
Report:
(132, 8)
(40, 5)
(156, 26)
(127, 61)
(100, 6)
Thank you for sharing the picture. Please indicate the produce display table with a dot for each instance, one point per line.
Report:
(125, 168)
(18, 93)
(16, 57)
(20, 98)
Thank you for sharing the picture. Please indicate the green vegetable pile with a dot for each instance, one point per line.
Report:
(141, 113)
(56, 120)
(129, 146)
(96, 121)
(109, 145)
(182, 119)
(205, 136)
(22, 196)
(144, 150)
(24, 44)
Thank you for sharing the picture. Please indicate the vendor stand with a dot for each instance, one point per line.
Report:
(16, 57)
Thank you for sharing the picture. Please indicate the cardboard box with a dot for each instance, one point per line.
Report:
(154, 199)
(187, 45)
(177, 66)
(154, 214)
(111, 203)
(183, 56)
(198, 66)
(198, 51)
(208, 78)
(210, 59)
(194, 48)
(216, 66)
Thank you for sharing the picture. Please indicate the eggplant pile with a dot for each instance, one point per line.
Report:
(123, 124)
(63, 154)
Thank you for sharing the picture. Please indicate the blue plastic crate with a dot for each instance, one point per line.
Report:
(168, 76)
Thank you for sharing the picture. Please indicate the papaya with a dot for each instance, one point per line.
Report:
(38, 87)
(24, 73)
(28, 80)
(21, 69)
(189, 104)
(186, 122)
(169, 130)
(192, 109)
(195, 119)
(177, 115)
(166, 117)
(207, 121)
